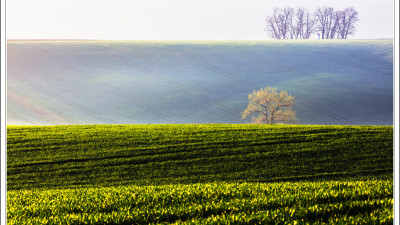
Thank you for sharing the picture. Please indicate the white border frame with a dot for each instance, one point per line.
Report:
(3, 127)
(3, 154)
(396, 114)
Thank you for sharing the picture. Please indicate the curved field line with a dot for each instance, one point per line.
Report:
(214, 69)
(176, 84)
(337, 83)
(56, 111)
(113, 90)
(299, 74)
(248, 84)
(54, 95)
(349, 63)
(18, 116)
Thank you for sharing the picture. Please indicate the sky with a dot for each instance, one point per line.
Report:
(174, 19)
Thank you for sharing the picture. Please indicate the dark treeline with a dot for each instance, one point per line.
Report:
(291, 23)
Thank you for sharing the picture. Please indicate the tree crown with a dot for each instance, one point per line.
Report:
(270, 107)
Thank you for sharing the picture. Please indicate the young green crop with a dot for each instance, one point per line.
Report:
(329, 202)
(109, 155)
(199, 174)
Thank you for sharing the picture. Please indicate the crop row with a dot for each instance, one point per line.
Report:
(275, 203)
(109, 155)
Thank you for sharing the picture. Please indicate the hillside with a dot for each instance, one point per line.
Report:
(134, 82)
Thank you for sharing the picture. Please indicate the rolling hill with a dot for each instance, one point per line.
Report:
(152, 82)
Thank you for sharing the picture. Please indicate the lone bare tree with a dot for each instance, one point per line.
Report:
(270, 107)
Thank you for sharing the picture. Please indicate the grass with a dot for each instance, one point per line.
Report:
(199, 174)
(330, 202)
(103, 155)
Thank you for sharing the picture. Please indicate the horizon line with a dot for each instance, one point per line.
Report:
(90, 39)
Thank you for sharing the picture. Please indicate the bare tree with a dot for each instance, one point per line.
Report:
(321, 19)
(270, 106)
(324, 18)
(288, 23)
(299, 22)
(280, 24)
(335, 29)
(339, 23)
(309, 25)
(348, 20)
(304, 23)
(290, 30)
(273, 25)
(330, 14)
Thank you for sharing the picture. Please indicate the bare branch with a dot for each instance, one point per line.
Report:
(270, 106)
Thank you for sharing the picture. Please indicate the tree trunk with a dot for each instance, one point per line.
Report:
(266, 114)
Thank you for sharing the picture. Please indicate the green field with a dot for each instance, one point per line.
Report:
(199, 174)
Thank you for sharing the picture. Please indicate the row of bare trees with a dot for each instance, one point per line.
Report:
(290, 23)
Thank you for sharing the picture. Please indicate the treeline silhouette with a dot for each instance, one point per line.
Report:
(291, 23)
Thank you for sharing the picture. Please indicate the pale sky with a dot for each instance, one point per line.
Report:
(174, 19)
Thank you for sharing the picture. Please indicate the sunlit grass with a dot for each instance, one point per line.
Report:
(199, 174)
(331, 202)
(106, 155)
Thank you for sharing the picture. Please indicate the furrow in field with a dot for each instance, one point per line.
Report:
(49, 112)
(330, 202)
(219, 71)
(301, 73)
(109, 88)
(55, 95)
(71, 156)
(162, 76)
(350, 63)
